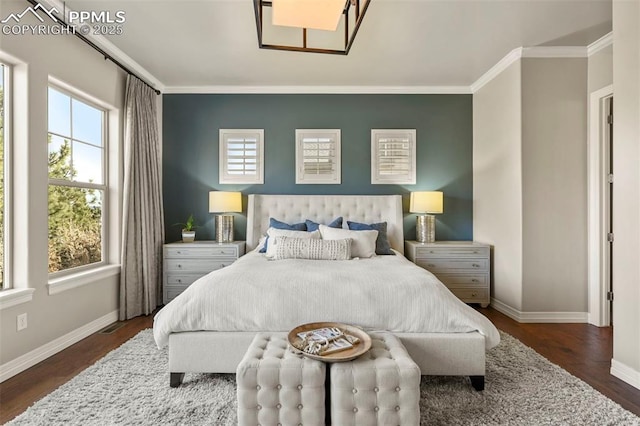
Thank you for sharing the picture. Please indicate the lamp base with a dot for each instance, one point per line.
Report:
(426, 228)
(224, 228)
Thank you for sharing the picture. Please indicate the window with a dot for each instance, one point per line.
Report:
(393, 156)
(77, 182)
(4, 142)
(241, 156)
(318, 156)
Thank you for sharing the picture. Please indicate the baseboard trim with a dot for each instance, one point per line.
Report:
(18, 365)
(540, 317)
(625, 373)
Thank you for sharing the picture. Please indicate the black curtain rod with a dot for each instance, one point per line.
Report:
(99, 49)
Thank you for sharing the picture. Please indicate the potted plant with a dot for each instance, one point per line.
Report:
(188, 229)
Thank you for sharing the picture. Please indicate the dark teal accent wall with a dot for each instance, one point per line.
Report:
(191, 123)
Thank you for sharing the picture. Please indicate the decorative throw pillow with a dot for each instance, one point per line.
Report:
(313, 226)
(310, 248)
(275, 223)
(383, 246)
(275, 233)
(363, 243)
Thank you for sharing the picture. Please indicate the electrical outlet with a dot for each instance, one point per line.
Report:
(22, 321)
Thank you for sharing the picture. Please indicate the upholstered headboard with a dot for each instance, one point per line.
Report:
(323, 209)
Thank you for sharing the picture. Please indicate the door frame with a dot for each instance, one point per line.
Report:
(597, 274)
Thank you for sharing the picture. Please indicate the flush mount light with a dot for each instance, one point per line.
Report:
(316, 26)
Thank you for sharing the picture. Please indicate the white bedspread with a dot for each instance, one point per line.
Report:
(381, 293)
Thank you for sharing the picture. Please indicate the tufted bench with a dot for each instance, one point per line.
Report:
(278, 387)
(382, 387)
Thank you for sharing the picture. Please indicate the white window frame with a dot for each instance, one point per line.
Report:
(408, 178)
(225, 177)
(56, 277)
(7, 282)
(311, 178)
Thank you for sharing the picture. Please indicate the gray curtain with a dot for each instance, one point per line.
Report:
(143, 218)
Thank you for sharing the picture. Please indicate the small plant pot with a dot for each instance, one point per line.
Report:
(188, 236)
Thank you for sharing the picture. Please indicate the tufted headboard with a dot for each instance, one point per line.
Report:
(323, 209)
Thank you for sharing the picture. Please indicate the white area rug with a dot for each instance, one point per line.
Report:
(130, 386)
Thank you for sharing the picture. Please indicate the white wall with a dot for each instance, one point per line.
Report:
(497, 180)
(50, 317)
(529, 177)
(600, 72)
(554, 184)
(626, 203)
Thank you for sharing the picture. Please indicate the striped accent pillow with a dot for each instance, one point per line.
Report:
(315, 249)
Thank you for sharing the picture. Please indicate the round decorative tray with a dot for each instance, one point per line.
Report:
(345, 355)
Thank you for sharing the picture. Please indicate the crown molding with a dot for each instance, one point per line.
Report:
(528, 52)
(497, 69)
(419, 90)
(601, 43)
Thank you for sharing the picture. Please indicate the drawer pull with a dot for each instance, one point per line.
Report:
(475, 265)
(431, 265)
(179, 252)
(474, 294)
(431, 251)
(179, 280)
(179, 265)
(474, 280)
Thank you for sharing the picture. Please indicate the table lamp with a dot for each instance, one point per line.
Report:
(224, 202)
(428, 202)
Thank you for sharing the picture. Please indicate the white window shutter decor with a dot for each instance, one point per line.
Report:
(393, 156)
(241, 156)
(318, 156)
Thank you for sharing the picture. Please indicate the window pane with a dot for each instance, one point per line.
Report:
(75, 227)
(87, 123)
(59, 158)
(2, 87)
(59, 113)
(87, 162)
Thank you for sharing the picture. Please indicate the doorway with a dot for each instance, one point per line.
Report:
(600, 204)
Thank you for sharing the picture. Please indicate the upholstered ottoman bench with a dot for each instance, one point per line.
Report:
(279, 387)
(382, 387)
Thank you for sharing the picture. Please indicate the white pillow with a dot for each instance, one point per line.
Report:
(363, 243)
(274, 232)
(311, 248)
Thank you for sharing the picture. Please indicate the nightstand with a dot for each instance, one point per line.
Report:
(186, 262)
(463, 266)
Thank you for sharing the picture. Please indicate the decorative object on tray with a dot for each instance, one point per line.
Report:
(329, 341)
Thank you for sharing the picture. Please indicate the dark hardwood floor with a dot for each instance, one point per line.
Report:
(583, 350)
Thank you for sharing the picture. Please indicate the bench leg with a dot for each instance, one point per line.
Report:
(477, 382)
(176, 379)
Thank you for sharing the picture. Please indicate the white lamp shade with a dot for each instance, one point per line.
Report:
(426, 202)
(315, 14)
(225, 202)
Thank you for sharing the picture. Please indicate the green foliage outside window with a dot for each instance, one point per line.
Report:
(75, 217)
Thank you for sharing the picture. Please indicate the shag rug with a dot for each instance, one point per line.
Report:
(130, 386)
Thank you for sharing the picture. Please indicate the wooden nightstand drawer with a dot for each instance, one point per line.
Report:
(180, 252)
(196, 265)
(463, 266)
(184, 263)
(436, 265)
(182, 279)
(171, 292)
(471, 295)
(465, 280)
(457, 252)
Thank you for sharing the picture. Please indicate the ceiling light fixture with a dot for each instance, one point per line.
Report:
(316, 26)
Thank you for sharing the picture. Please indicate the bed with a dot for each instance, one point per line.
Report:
(209, 332)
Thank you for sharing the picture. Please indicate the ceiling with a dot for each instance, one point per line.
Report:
(207, 44)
